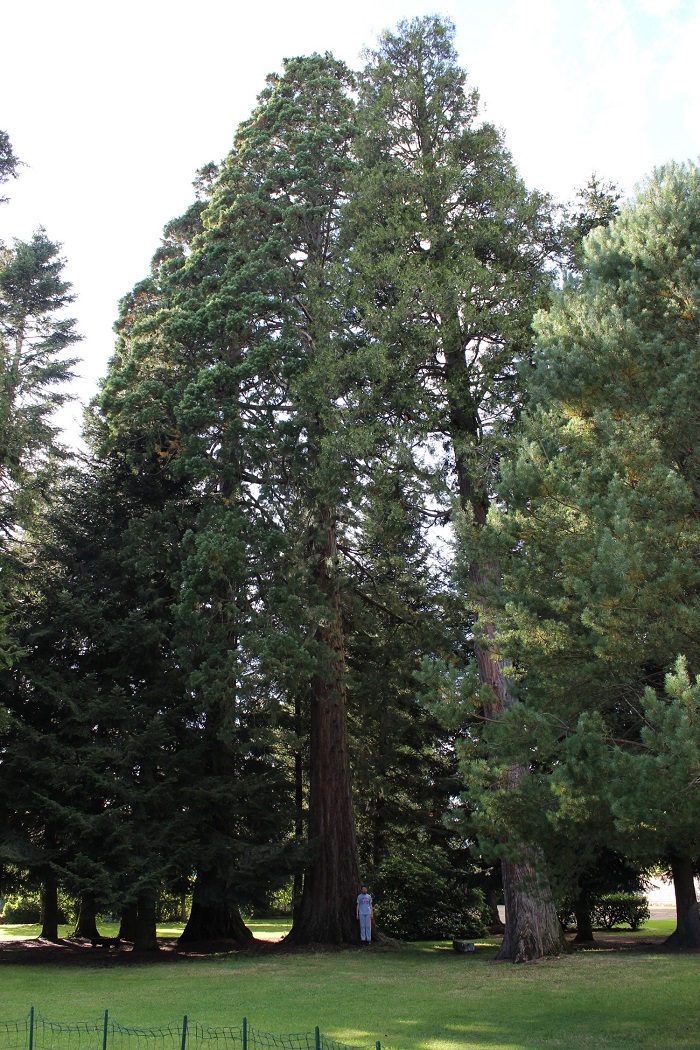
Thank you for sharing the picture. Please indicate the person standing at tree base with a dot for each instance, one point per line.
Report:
(365, 912)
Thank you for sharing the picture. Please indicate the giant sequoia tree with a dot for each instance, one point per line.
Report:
(242, 371)
(288, 172)
(325, 360)
(450, 248)
(290, 347)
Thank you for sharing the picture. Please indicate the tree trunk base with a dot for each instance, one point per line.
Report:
(127, 926)
(146, 939)
(687, 932)
(215, 925)
(49, 912)
(584, 921)
(533, 930)
(86, 925)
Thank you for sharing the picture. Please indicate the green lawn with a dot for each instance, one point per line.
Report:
(423, 997)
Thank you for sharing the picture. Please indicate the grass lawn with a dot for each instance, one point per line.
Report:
(423, 997)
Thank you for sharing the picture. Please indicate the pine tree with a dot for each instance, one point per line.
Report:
(603, 593)
(664, 769)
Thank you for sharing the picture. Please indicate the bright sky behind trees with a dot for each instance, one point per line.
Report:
(113, 107)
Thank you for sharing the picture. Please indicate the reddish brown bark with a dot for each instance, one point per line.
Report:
(332, 881)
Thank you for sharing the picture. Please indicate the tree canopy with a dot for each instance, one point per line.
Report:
(384, 556)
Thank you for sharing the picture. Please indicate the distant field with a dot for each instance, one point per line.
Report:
(422, 997)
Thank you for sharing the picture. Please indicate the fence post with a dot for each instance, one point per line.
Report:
(183, 1043)
(245, 1033)
(378, 1045)
(317, 1035)
(31, 1028)
(104, 1030)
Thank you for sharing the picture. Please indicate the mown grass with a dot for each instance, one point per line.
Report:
(423, 997)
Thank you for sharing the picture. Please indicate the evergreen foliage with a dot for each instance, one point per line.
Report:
(602, 517)
(351, 540)
(450, 251)
(8, 161)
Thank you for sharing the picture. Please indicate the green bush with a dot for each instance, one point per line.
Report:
(419, 896)
(169, 907)
(26, 907)
(22, 909)
(621, 909)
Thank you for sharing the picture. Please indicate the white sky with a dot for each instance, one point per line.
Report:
(113, 107)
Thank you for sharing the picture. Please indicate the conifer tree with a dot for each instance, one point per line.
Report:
(398, 610)
(34, 372)
(8, 161)
(662, 770)
(253, 335)
(449, 249)
(167, 409)
(276, 213)
(97, 700)
(602, 594)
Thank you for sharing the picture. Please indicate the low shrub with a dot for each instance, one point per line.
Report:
(26, 907)
(621, 909)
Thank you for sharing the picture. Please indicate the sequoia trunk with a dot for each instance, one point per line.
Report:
(332, 881)
(214, 918)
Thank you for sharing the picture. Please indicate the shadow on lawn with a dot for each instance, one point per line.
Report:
(78, 951)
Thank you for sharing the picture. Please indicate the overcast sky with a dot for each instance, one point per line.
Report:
(113, 107)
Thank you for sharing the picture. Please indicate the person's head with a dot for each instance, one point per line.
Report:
(364, 889)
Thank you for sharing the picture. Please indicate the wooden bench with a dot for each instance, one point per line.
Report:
(106, 942)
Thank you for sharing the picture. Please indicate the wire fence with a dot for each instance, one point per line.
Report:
(37, 1033)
